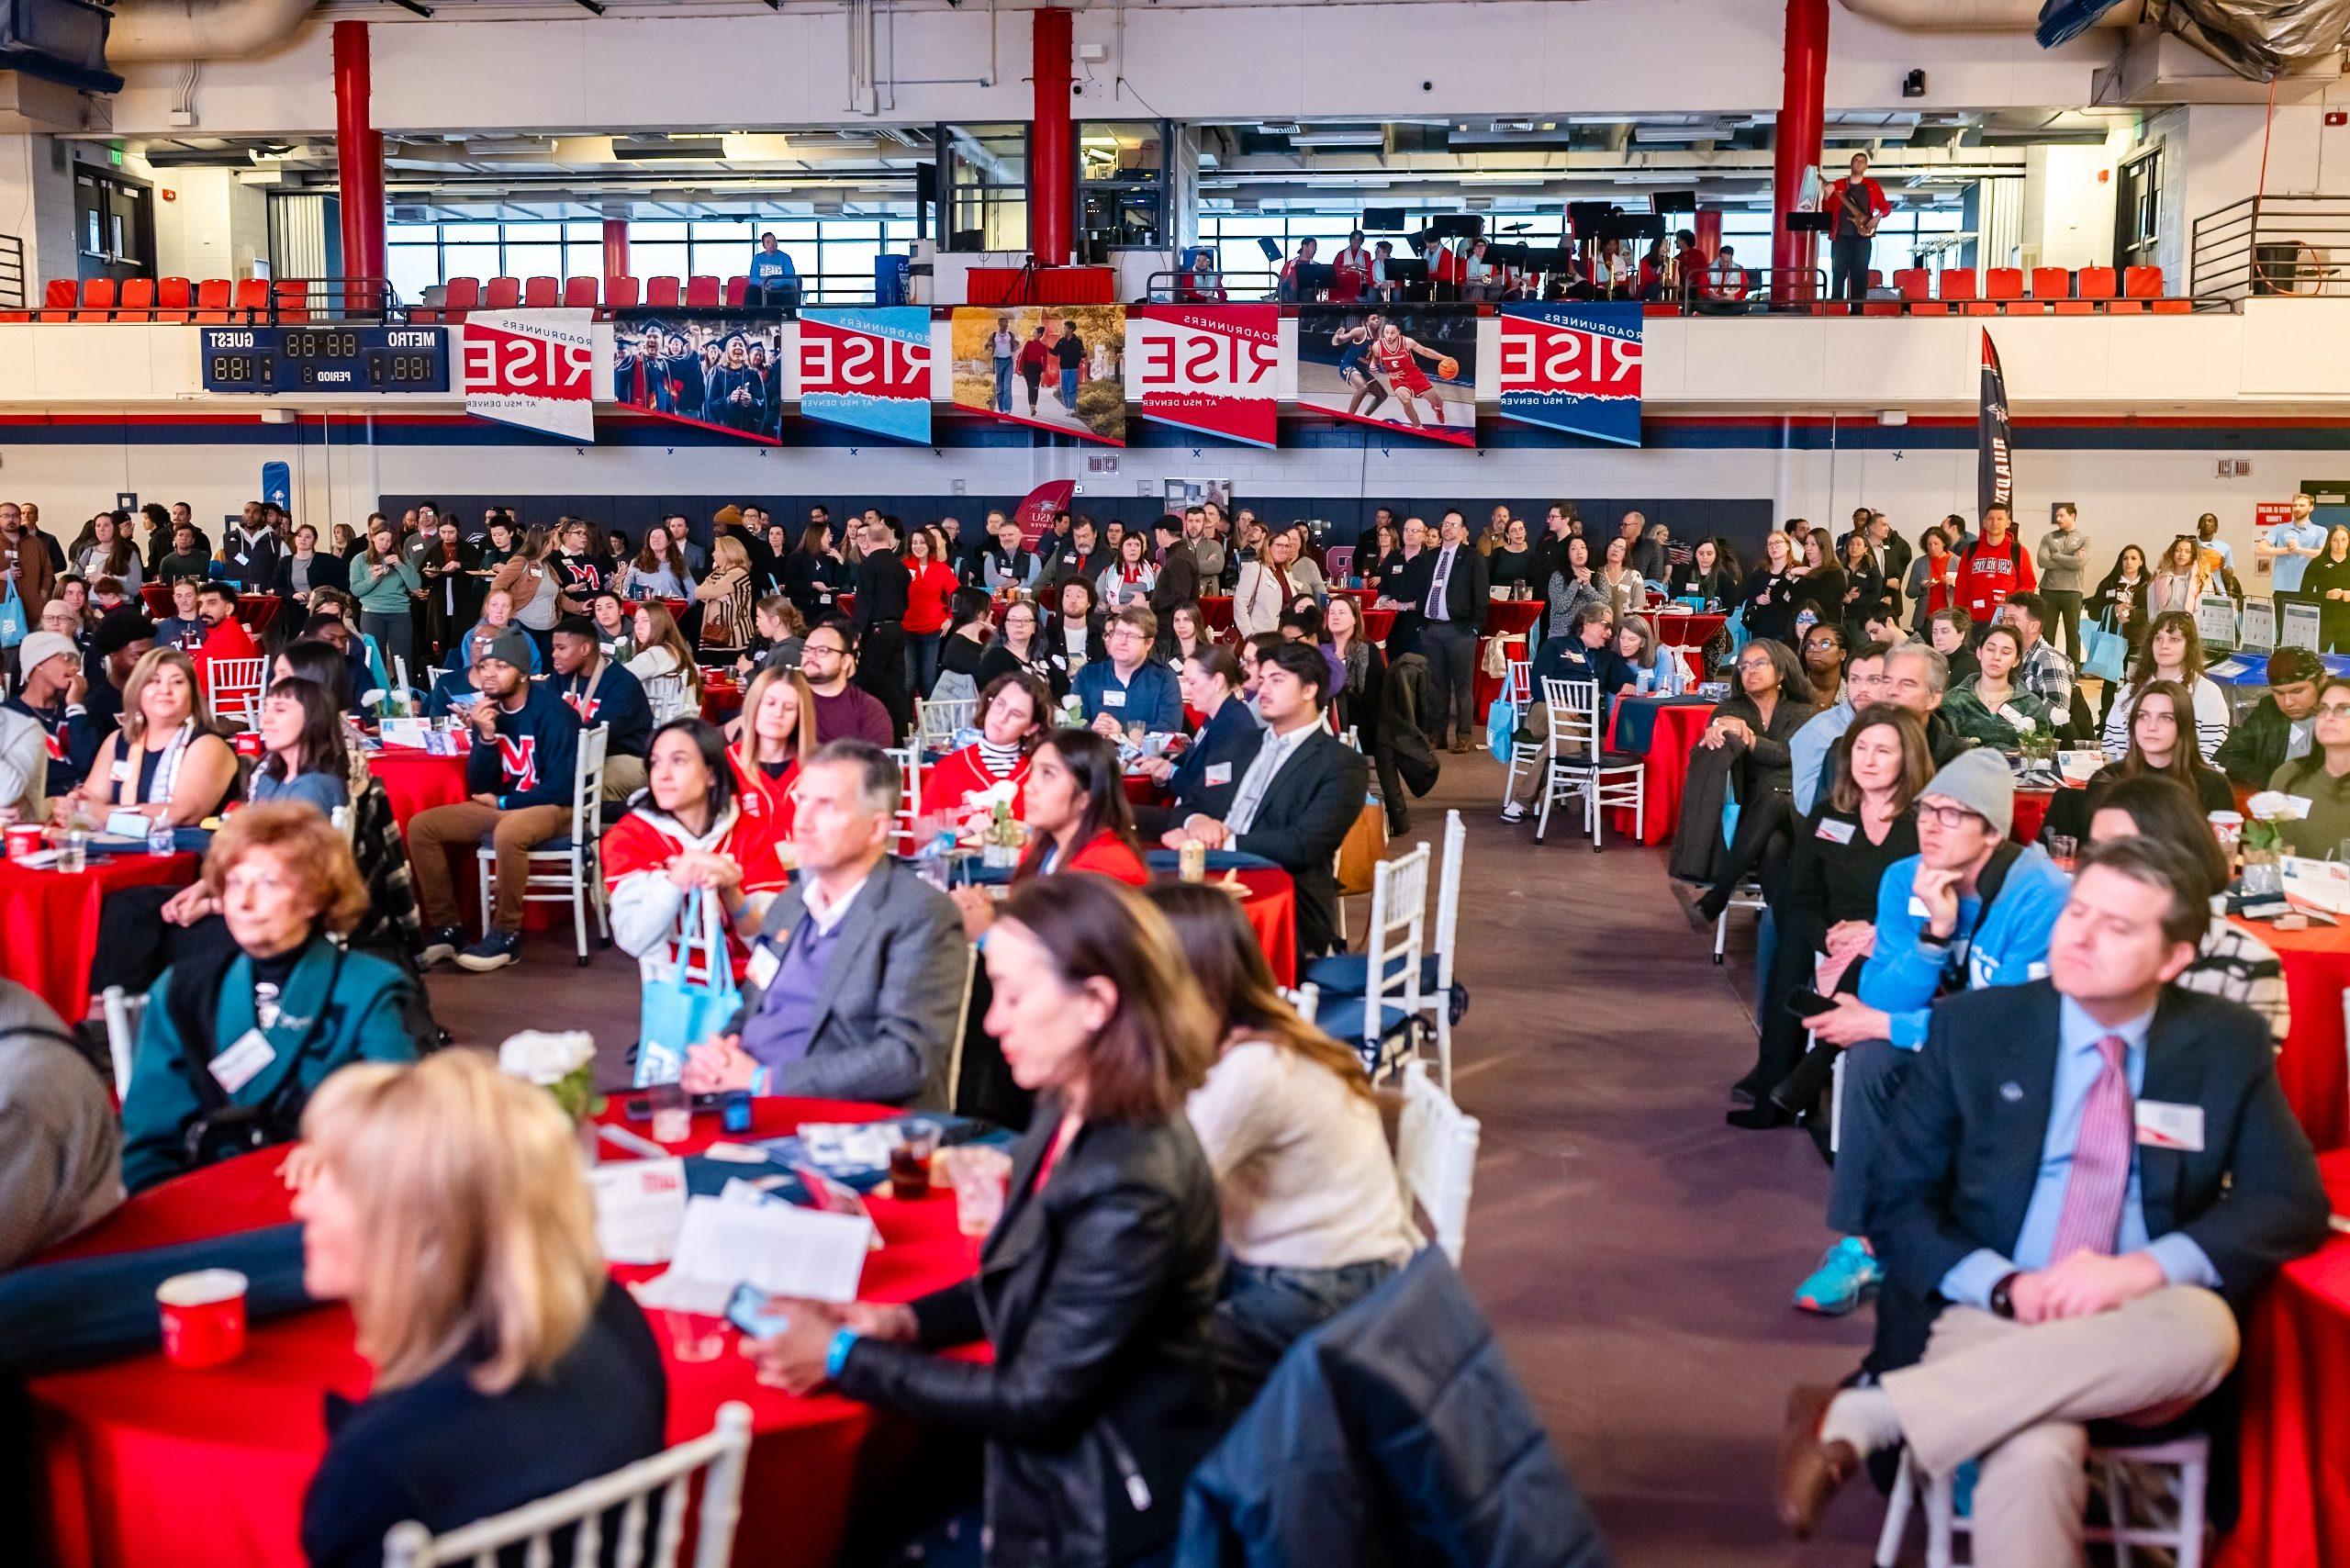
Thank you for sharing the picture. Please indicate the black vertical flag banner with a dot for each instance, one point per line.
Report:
(1994, 477)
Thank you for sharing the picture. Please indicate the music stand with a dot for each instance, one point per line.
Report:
(1812, 222)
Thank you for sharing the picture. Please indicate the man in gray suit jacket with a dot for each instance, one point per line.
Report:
(857, 974)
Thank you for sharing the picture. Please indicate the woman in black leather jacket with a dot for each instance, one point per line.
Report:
(1096, 1287)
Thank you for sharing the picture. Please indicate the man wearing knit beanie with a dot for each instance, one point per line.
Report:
(1970, 910)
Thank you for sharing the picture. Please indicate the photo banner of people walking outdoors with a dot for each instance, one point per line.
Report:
(1054, 367)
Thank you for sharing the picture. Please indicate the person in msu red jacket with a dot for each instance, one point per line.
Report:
(1994, 567)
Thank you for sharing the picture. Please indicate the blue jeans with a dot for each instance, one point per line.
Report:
(1069, 391)
(1004, 386)
(1264, 1310)
(922, 661)
(1874, 1071)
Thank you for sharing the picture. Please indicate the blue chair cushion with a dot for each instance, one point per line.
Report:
(1342, 1019)
(1348, 974)
(559, 845)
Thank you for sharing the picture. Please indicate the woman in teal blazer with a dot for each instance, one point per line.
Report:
(232, 1043)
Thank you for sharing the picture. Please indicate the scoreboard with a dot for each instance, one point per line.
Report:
(325, 359)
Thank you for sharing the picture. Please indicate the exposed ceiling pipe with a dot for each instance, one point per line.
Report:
(201, 30)
(1978, 16)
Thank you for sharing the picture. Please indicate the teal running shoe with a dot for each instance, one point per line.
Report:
(1846, 1274)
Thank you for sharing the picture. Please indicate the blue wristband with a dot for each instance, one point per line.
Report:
(843, 1341)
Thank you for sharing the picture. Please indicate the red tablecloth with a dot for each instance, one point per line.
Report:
(2032, 811)
(2295, 1465)
(1217, 607)
(48, 922)
(721, 698)
(1272, 910)
(1489, 686)
(1511, 617)
(149, 1464)
(1665, 769)
(1376, 623)
(2312, 1067)
(417, 780)
(1693, 630)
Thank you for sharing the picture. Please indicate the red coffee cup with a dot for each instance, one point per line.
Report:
(247, 742)
(204, 1317)
(23, 839)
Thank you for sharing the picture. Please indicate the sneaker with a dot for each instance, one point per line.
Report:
(494, 951)
(1513, 812)
(1847, 1272)
(440, 946)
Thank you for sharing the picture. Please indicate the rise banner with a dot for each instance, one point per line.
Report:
(531, 368)
(868, 369)
(1573, 368)
(1210, 368)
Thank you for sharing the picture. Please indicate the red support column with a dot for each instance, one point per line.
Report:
(359, 159)
(1052, 189)
(616, 247)
(1803, 118)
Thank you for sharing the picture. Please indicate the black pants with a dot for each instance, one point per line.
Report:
(881, 670)
(1849, 259)
(135, 944)
(1451, 649)
(2064, 621)
(1766, 830)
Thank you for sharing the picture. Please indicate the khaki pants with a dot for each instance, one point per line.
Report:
(623, 776)
(432, 834)
(2017, 1395)
(1533, 730)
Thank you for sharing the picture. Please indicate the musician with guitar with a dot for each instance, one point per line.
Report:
(1858, 203)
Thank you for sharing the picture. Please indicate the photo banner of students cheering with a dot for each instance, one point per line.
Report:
(1211, 368)
(720, 369)
(867, 368)
(1574, 369)
(1053, 367)
(1402, 367)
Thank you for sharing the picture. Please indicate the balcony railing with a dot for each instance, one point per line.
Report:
(2271, 247)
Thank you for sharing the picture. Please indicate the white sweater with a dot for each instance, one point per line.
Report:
(1303, 1174)
(2212, 718)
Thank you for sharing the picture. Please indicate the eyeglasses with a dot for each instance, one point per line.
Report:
(1952, 816)
(2334, 710)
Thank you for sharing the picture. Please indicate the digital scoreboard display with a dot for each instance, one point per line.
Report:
(325, 359)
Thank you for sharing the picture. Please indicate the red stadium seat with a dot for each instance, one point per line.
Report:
(212, 301)
(738, 290)
(462, 293)
(1915, 285)
(1660, 308)
(661, 293)
(9, 317)
(579, 293)
(541, 293)
(253, 299)
(1957, 286)
(2094, 289)
(702, 292)
(503, 294)
(2145, 284)
(2005, 285)
(137, 299)
(174, 296)
(59, 299)
(621, 292)
(1877, 278)
(97, 300)
(293, 300)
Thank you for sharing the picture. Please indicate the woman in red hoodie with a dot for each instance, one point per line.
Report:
(692, 831)
(1013, 711)
(930, 588)
(777, 735)
(1078, 819)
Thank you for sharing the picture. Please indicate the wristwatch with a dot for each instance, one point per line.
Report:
(2003, 1303)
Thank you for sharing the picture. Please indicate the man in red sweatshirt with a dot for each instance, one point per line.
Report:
(225, 637)
(1994, 567)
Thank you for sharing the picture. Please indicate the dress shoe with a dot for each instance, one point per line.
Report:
(1809, 1471)
(1692, 904)
(1460, 746)
(1758, 1118)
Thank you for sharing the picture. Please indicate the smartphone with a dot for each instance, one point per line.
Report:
(1809, 1004)
(748, 1311)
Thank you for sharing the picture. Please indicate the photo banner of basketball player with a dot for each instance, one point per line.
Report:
(1402, 367)
(1573, 368)
(721, 370)
(531, 368)
(1051, 367)
(867, 368)
(1210, 368)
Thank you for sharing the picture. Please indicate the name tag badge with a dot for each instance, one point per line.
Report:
(119, 772)
(1219, 773)
(1835, 832)
(1114, 699)
(764, 964)
(235, 1068)
(1918, 910)
(2162, 1125)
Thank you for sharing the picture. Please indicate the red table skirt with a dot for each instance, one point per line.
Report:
(2295, 1465)
(149, 1464)
(1664, 769)
(256, 610)
(2311, 1068)
(1511, 617)
(48, 922)
(1489, 686)
(2032, 811)
(1693, 630)
(1271, 910)
(1041, 285)
(417, 780)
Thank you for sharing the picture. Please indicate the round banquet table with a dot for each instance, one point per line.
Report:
(1510, 620)
(417, 780)
(49, 920)
(721, 697)
(150, 1463)
(2032, 811)
(1672, 725)
(1217, 607)
(1269, 905)
(2311, 1068)
(1693, 630)
(256, 610)
(2294, 1467)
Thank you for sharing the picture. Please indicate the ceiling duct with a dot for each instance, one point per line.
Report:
(201, 30)
(2261, 40)
(1985, 15)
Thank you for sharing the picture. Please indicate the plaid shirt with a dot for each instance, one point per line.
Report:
(2236, 966)
(2048, 675)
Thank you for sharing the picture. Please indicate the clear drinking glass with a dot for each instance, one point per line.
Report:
(73, 850)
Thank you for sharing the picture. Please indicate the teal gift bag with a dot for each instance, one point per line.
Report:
(12, 619)
(2105, 653)
(691, 1000)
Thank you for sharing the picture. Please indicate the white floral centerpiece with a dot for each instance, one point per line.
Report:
(2263, 838)
(988, 818)
(563, 1064)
